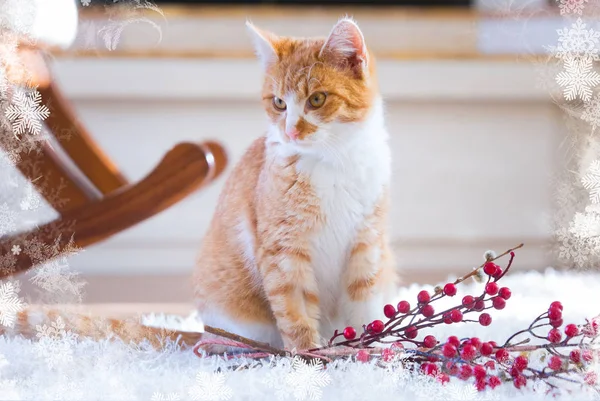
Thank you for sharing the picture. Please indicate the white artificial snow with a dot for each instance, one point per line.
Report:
(111, 370)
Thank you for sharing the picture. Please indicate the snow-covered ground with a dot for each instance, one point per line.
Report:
(89, 370)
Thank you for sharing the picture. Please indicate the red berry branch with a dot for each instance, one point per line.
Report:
(562, 358)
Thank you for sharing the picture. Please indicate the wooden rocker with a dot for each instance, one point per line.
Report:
(101, 202)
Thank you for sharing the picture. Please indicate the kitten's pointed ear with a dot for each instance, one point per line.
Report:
(346, 47)
(263, 44)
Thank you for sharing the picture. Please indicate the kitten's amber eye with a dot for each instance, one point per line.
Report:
(278, 103)
(317, 100)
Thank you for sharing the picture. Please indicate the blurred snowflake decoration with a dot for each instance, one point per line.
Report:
(10, 303)
(31, 200)
(165, 397)
(306, 380)
(8, 219)
(591, 181)
(578, 79)
(210, 387)
(571, 6)
(586, 225)
(26, 113)
(55, 343)
(16, 249)
(54, 274)
(577, 42)
(591, 114)
(56, 277)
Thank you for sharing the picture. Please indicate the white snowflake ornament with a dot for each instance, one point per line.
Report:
(578, 79)
(306, 381)
(10, 304)
(577, 42)
(571, 6)
(26, 113)
(210, 387)
(591, 181)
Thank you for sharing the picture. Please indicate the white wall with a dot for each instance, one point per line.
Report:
(472, 154)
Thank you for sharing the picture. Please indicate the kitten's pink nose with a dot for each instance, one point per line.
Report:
(293, 133)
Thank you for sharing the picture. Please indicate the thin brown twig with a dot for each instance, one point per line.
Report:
(475, 271)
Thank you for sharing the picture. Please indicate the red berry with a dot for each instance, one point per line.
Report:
(493, 343)
(520, 381)
(513, 371)
(389, 311)
(591, 378)
(465, 372)
(450, 289)
(498, 303)
(468, 352)
(486, 349)
(370, 328)
(423, 297)
(554, 313)
(387, 355)
(377, 326)
(430, 369)
(446, 318)
(491, 288)
(475, 342)
(571, 330)
(587, 355)
(502, 355)
(521, 363)
(575, 356)
(490, 268)
(490, 365)
(449, 350)
(556, 304)
(443, 378)
(480, 383)
(555, 363)
(468, 301)
(556, 323)
(504, 292)
(554, 336)
(498, 272)
(494, 381)
(403, 307)
(429, 341)
(427, 310)
(479, 305)
(411, 332)
(485, 319)
(454, 341)
(456, 315)
(349, 333)
(363, 355)
(398, 345)
(453, 370)
(432, 358)
(479, 371)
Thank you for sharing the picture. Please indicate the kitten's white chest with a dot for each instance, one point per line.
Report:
(348, 192)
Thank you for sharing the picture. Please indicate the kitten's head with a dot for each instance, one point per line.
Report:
(316, 89)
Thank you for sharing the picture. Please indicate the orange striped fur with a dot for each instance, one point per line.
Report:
(298, 243)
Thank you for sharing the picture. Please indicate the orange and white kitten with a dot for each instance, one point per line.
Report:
(298, 245)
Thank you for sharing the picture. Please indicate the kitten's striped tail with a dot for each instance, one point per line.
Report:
(30, 323)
